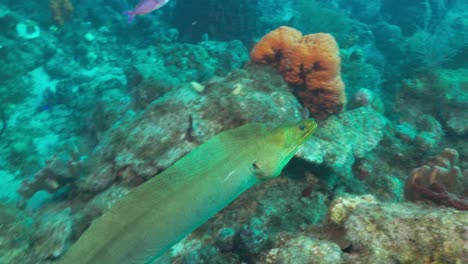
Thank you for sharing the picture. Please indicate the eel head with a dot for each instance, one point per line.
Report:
(279, 146)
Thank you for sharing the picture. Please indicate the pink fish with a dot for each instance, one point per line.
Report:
(144, 7)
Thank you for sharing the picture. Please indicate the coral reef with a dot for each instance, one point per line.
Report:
(388, 38)
(311, 63)
(16, 230)
(359, 73)
(20, 57)
(361, 9)
(60, 170)
(303, 250)
(28, 30)
(35, 238)
(341, 208)
(440, 39)
(402, 233)
(133, 99)
(426, 135)
(343, 139)
(365, 97)
(53, 231)
(256, 226)
(38, 128)
(20, 53)
(451, 88)
(440, 181)
(149, 80)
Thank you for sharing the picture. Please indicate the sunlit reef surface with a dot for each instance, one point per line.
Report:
(91, 107)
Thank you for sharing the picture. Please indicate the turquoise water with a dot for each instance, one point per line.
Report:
(91, 107)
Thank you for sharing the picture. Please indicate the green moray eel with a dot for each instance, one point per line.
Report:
(157, 214)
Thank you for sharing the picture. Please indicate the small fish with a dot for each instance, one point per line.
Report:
(144, 7)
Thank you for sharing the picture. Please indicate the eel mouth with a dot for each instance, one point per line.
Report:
(312, 127)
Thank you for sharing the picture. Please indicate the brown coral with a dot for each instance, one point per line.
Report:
(61, 10)
(440, 181)
(311, 63)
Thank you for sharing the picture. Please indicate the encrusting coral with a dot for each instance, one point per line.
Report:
(440, 181)
(309, 62)
(59, 171)
(61, 10)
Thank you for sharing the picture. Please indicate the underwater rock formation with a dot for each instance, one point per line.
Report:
(54, 229)
(16, 230)
(62, 169)
(425, 135)
(20, 57)
(303, 250)
(175, 64)
(365, 97)
(32, 238)
(261, 222)
(390, 232)
(311, 63)
(343, 139)
(341, 208)
(449, 88)
(388, 38)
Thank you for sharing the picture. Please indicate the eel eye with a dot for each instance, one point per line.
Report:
(255, 166)
(302, 127)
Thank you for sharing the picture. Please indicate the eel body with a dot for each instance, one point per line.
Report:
(157, 214)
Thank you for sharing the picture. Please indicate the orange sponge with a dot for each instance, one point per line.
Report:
(312, 64)
(270, 48)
